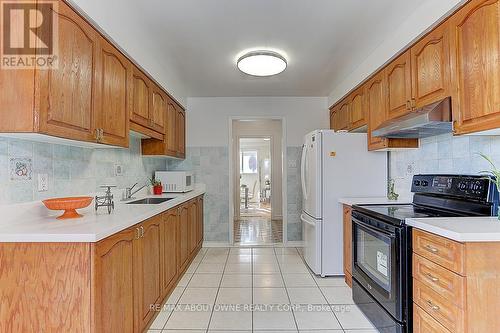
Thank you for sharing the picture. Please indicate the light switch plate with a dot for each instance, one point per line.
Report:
(43, 182)
(118, 170)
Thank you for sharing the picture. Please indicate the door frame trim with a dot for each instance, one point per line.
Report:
(283, 173)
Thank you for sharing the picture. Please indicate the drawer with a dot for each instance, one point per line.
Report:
(441, 309)
(442, 251)
(424, 323)
(446, 283)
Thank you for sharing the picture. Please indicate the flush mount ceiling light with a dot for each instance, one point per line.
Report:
(262, 63)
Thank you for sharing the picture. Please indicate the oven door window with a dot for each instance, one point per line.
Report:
(373, 255)
(188, 181)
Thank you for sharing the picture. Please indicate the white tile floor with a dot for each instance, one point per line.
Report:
(258, 290)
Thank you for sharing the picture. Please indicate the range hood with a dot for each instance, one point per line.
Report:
(430, 120)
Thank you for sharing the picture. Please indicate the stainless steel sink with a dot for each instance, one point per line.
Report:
(148, 201)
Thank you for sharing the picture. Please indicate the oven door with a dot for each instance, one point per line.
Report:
(377, 264)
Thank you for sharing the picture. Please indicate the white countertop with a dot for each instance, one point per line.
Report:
(32, 223)
(373, 201)
(460, 229)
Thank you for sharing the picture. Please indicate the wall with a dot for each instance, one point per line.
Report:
(70, 170)
(443, 154)
(136, 39)
(208, 140)
(263, 127)
(415, 25)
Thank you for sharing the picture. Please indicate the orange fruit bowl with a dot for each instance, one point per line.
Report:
(69, 205)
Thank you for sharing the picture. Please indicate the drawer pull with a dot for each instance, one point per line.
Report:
(431, 277)
(431, 249)
(432, 306)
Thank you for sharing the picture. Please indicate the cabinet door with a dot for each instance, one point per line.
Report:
(347, 244)
(332, 118)
(114, 279)
(358, 108)
(112, 98)
(376, 90)
(181, 133)
(398, 79)
(183, 214)
(193, 228)
(147, 288)
(66, 104)
(475, 55)
(158, 110)
(141, 86)
(199, 224)
(343, 115)
(430, 67)
(171, 130)
(169, 244)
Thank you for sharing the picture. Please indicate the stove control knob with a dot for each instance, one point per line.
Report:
(416, 182)
(425, 183)
(462, 186)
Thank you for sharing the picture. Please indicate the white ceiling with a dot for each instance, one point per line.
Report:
(323, 40)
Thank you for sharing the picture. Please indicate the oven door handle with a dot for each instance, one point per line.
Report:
(374, 229)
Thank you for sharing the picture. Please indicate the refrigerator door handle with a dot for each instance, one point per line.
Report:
(303, 171)
(306, 220)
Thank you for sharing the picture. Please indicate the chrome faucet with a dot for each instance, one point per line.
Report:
(129, 193)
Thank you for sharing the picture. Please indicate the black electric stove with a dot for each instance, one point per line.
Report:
(381, 242)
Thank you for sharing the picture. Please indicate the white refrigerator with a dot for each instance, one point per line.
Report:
(334, 165)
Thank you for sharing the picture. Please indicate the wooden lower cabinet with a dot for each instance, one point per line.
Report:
(455, 285)
(192, 227)
(114, 261)
(115, 285)
(347, 244)
(147, 288)
(169, 234)
(183, 221)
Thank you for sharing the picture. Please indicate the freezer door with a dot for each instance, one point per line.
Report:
(311, 231)
(311, 175)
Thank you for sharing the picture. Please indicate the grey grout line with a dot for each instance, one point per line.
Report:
(184, 289)
(218, 289)
(286, 290)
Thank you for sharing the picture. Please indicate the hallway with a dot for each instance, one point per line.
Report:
(258, 290)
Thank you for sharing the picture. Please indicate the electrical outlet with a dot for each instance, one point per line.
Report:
(43, 182)
(118, 170)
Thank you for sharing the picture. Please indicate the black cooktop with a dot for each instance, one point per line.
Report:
(397, 213)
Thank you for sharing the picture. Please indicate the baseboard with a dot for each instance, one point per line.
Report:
(294, 244)
(215, 244)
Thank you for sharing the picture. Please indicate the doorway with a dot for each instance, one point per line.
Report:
(257, 185)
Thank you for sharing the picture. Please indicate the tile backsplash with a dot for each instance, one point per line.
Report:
(70, 170)
(443, 154)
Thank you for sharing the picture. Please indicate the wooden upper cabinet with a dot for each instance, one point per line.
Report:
(66, 105)
(171, 130)
(181, 133)
(430, 67)
(113, 97)
(147, 258)
(114, 279)
(398, 78)
(358, 108)
(158, 109)
(376, 99)
(339, 116)
(141, 86)
(475, 57)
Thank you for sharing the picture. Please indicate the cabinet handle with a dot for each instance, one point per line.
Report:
(431, 277)
(413, 103)
(431, 249)
(408, 105)
(137, 233)
(142, 231)
(432, 305)
(102, 134)
(97, 134)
